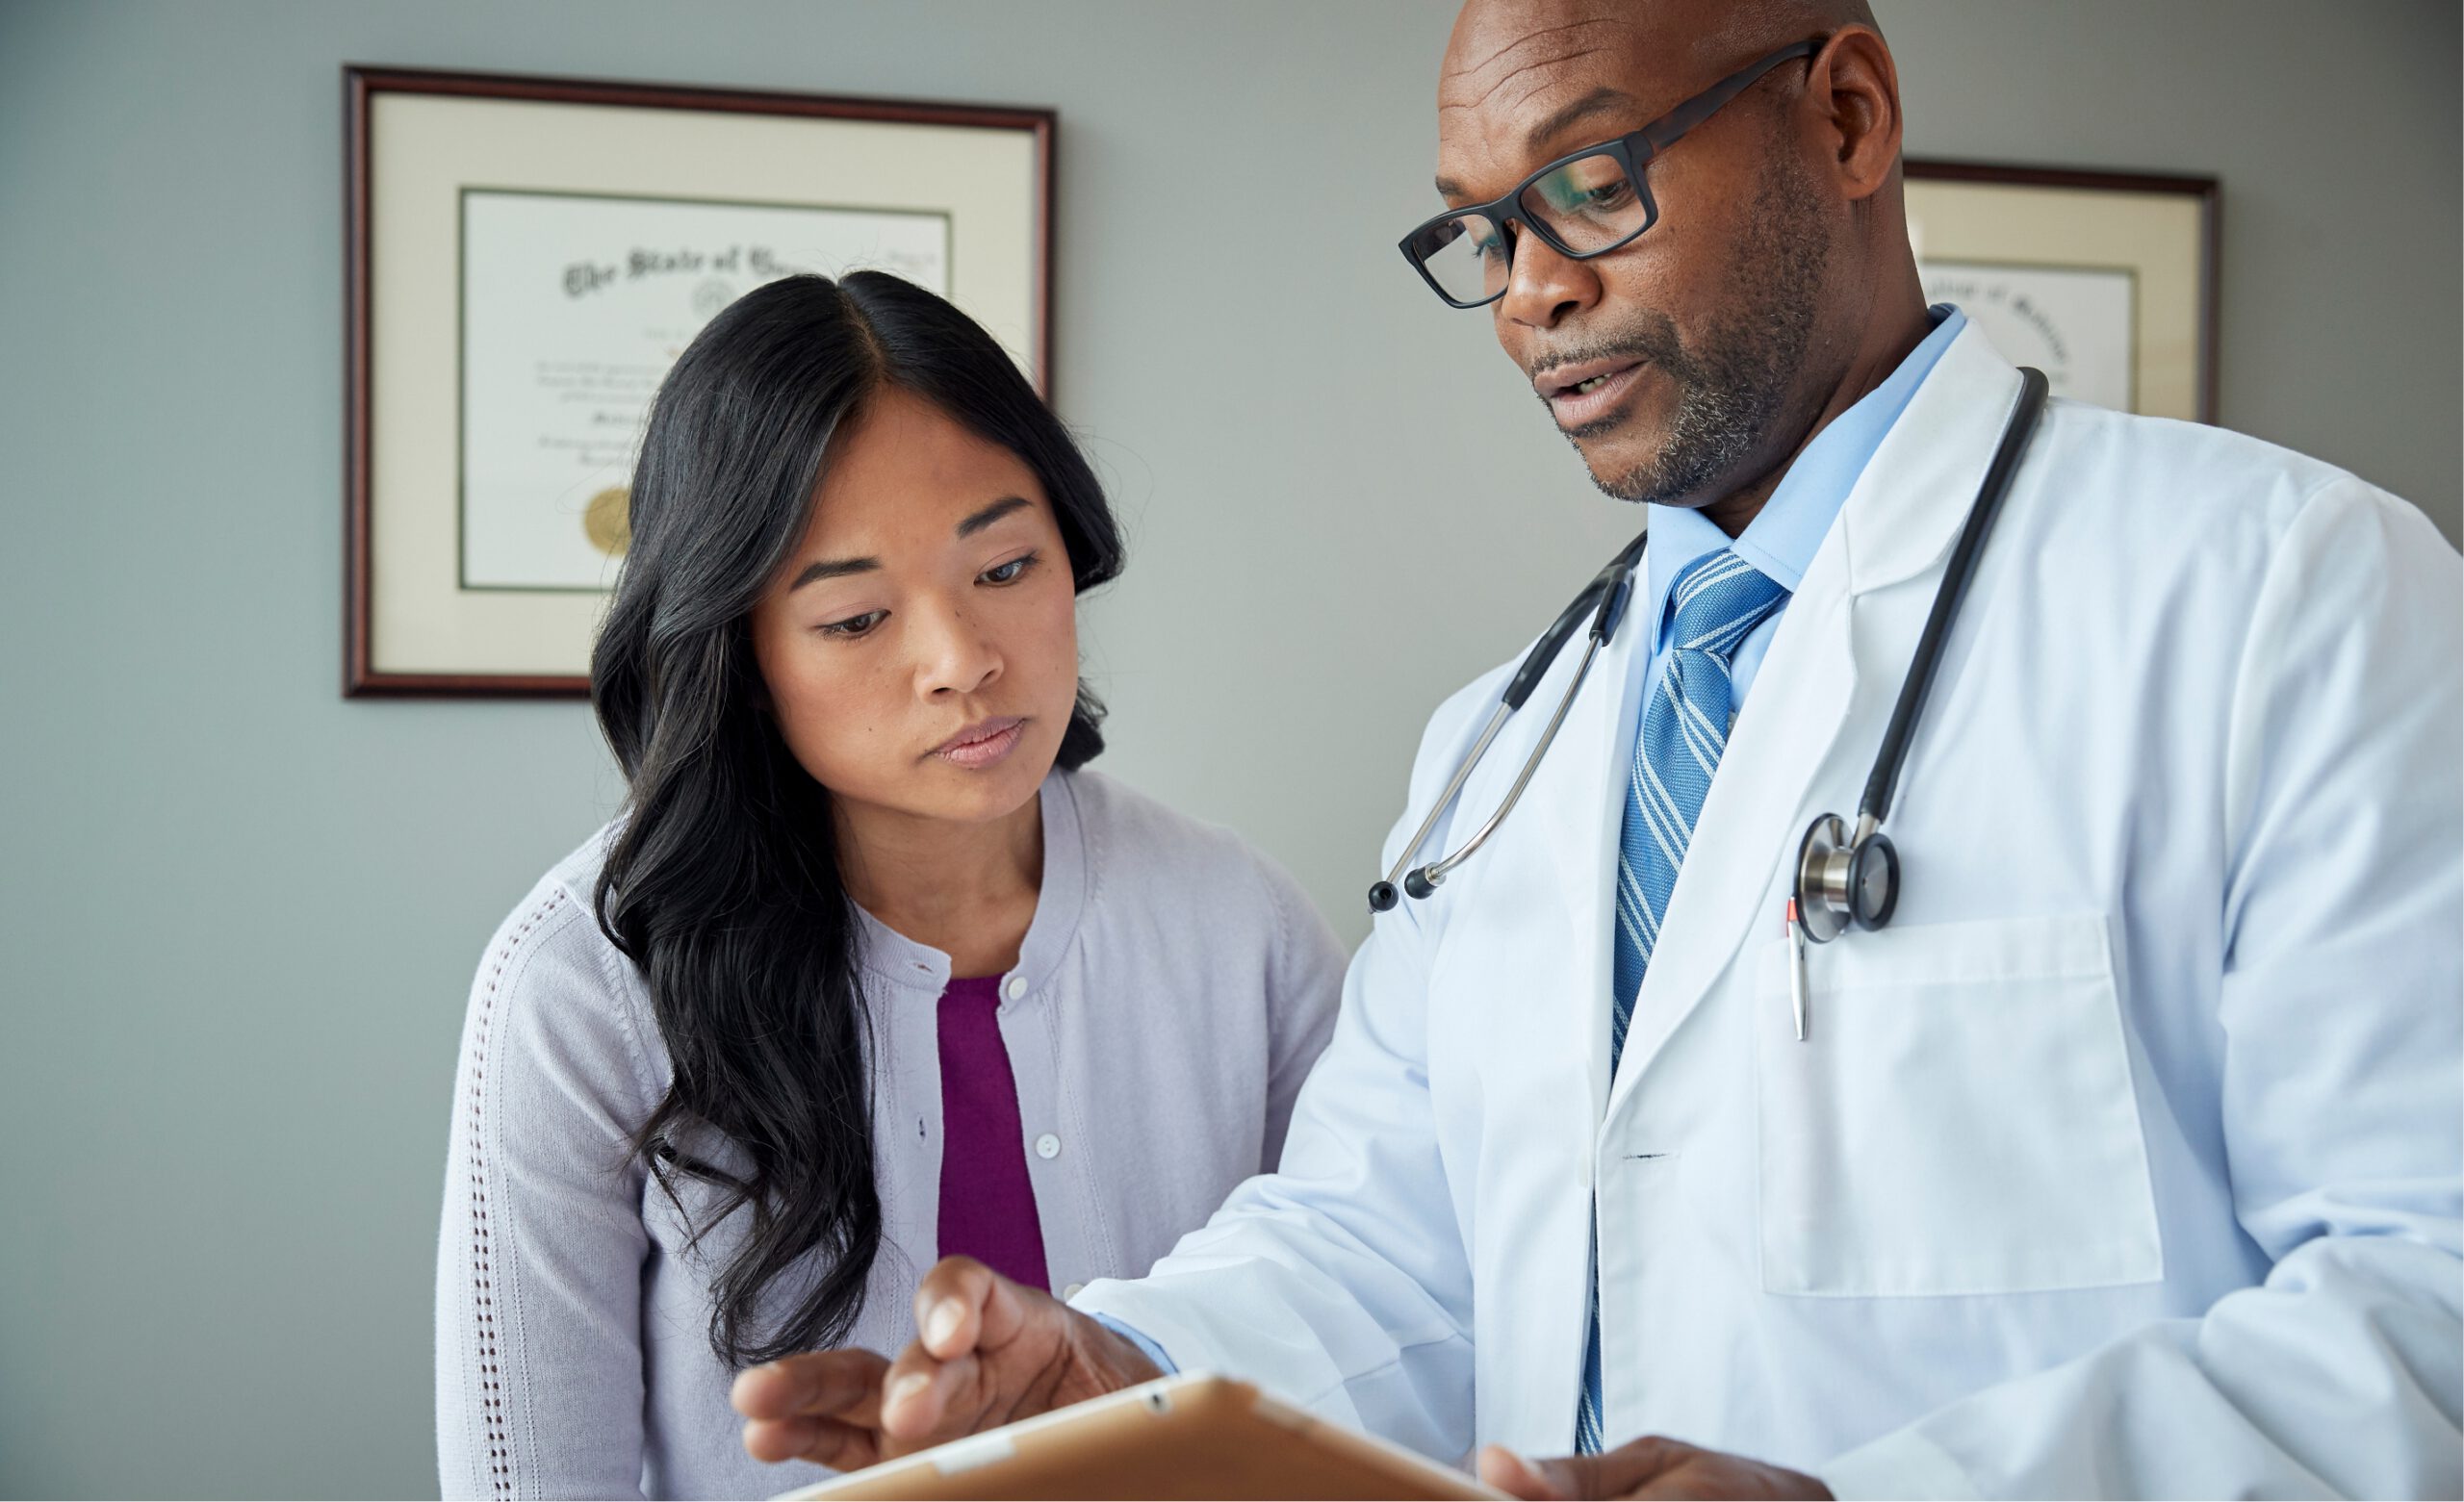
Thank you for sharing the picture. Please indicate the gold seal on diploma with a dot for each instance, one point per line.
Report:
(608, 522)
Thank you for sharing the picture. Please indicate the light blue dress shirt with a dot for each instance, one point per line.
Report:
(1780, 542)
(1783, 538)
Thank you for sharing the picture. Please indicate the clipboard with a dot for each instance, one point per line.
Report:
(1196, 1438)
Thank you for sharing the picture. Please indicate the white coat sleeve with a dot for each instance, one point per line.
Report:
(1340, 1281)
(2342, 819)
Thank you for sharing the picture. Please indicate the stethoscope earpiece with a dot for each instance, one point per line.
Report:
(1383, 898)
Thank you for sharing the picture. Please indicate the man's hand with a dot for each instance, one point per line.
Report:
(992, 1350)
(1644, 1469)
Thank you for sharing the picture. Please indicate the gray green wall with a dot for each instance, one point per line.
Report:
(238, 914)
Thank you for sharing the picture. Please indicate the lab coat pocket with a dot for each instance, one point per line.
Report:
(1959, 1120)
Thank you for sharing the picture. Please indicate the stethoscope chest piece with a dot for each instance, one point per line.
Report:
(1843, 879)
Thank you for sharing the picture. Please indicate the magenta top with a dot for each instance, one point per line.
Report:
(988, 1205)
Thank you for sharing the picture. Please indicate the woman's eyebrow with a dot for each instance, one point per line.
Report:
(833, 568)
(840, 568)
(990, 514)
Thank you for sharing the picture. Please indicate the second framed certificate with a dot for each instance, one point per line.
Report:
(526, 258)
(2106, 281)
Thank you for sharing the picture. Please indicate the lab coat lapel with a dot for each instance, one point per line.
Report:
(1823, 690)
(1579, 803)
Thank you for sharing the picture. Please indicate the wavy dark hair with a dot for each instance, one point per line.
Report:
(722, 883)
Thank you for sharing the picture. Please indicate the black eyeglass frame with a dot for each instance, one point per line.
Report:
(1633, 150)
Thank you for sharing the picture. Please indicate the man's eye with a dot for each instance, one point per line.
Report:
(855, 626)
(1008, 572)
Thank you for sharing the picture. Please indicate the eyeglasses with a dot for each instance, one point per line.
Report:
(1584, 204)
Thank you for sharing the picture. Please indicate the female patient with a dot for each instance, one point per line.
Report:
(868, 972)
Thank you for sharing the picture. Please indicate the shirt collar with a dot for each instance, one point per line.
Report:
(1067, 877)
(1784, 537)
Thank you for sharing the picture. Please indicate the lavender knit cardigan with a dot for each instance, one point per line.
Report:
(1172, 993)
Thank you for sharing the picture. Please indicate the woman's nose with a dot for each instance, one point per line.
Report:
(958, 660)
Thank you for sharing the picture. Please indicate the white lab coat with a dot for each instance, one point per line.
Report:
(2127, 1162)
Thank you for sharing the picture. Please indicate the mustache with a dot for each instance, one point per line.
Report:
(1651, 339)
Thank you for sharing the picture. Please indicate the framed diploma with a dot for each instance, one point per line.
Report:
(524, 258)
(2104, 281)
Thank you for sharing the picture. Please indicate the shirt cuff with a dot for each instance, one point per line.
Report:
(1138, 1338)
(1902, 1465)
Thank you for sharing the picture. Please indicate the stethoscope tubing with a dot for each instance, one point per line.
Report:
(1605, 598)
(1435, 872)
(1883, 781)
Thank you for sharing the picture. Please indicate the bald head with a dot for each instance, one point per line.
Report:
(1776, 268)
(1495, 42)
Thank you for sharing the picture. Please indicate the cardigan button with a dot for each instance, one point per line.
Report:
(1016, 988)
(1047, 1145)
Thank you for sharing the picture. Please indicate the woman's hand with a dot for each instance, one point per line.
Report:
(992, 1352)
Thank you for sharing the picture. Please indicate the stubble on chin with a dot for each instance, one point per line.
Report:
(1736, 380)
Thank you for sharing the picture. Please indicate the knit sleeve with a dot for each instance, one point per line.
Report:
(1305, 985)
(539, 1378)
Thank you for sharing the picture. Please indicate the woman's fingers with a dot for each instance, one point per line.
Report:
(824, 1441)
(837, 1384)
(823, 1407)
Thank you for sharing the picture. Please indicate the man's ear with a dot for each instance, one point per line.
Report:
(1853, 90)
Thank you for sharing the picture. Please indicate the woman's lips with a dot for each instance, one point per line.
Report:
(982, 745)
(1575, 409)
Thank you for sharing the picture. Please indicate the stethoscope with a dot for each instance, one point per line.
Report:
(1843, 874)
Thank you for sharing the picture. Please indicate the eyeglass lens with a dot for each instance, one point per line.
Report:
(1588, 204)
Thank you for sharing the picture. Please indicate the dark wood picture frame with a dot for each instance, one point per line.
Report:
(362, 83)
(2205, 191)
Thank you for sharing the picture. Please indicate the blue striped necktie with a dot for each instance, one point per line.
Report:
(1718, 602)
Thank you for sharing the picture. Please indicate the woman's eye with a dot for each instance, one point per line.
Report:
(855, 626)
(1008, 572)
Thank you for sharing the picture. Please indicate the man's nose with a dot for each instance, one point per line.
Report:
(1543, 288)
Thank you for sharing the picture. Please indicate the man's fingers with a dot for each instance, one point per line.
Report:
(1620, 1472)
(1626, 1471)
(838, 1385)
(824, 1441)
(919, 1396)
(950, 1304)
(1005, 1313)
(1515, 1476)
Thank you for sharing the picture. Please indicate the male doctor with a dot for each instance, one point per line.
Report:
(2124, 1162)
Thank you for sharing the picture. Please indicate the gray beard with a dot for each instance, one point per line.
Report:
(1736, 384)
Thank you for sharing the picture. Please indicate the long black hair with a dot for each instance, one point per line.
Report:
(722, 883)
